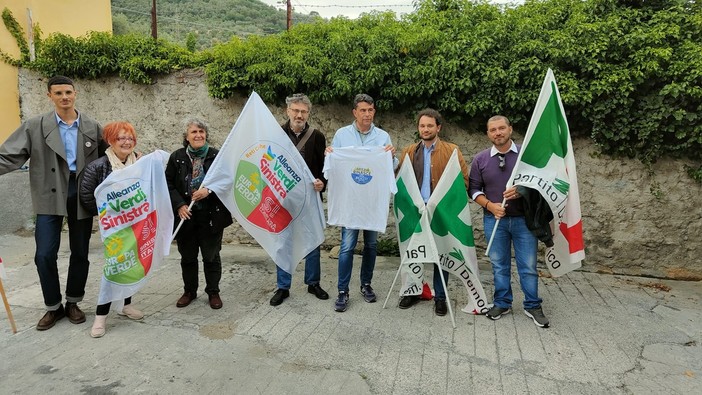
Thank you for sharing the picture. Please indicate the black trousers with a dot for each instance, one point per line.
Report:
(199, 238)
(103, 309)
(47, 236)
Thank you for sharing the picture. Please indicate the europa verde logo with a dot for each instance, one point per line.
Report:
(129, 251)
(265, 179)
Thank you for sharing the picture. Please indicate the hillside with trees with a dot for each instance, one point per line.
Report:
(201, 23)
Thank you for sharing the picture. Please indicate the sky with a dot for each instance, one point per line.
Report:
(351, 9)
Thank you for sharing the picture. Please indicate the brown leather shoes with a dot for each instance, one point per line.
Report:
(49, 319)
(74, 313)
(215, 301)
(186, 299)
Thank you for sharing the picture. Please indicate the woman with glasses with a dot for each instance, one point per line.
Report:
(121, 137)
(204, 222)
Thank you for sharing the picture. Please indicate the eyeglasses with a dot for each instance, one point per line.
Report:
(296, 111)
(502, 161)
(123, 139)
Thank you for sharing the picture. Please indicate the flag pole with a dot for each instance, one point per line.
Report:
(492, 236)
(393, 284)
(7, 308)
(448, 299)
(175, 232)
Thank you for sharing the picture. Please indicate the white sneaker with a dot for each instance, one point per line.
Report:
(131, 312)
(98, 329)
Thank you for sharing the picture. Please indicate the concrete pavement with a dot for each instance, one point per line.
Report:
(609, 334)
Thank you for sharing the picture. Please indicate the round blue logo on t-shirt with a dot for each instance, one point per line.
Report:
(361, 175)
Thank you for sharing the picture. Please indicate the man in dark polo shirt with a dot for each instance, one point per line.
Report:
(489, 174)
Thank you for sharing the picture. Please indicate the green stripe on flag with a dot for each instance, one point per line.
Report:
(446, 216)
(561, 185)
(550, 135)
(410, 214)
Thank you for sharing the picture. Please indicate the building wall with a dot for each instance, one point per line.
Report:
(73, 17)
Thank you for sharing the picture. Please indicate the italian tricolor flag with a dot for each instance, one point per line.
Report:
(546, 163)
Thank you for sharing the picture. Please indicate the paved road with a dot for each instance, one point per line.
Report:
(609, 334)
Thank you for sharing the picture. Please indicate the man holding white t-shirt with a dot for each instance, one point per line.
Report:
(361, 133)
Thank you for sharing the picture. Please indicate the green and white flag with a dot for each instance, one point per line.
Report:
(546, 163)
(450, 223)
(416, 242)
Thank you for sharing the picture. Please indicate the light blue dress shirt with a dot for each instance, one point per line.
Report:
(69, 136)
(425, 190)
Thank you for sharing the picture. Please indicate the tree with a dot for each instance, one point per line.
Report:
(120, 24)
(191, 41)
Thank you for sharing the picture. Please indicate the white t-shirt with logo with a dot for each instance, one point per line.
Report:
(360, 182)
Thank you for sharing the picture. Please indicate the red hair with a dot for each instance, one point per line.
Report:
(110, 132)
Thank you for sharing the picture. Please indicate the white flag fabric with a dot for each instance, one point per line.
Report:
(451, 225)
(136, 220)
(414, 235)
(264, 182)
(361, 181)
(546, 163)
(440, 232)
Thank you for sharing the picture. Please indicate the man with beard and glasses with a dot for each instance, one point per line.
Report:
(311, 143)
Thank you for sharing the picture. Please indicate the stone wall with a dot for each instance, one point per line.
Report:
(636, 220)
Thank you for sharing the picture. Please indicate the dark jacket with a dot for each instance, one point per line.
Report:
(537, 214)
(313, 151)
(179, 172)
(94, 174)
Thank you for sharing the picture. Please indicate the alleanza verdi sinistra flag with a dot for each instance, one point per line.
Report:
(136, 220)
(546, 163)
(264, 182)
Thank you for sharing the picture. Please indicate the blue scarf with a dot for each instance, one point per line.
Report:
(198, 158)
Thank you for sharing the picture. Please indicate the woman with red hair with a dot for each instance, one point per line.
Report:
(121, 137)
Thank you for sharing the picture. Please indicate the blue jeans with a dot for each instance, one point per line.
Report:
(312, 271)
(439, 291)
(47, 236)
(513, 231)
(349, 238)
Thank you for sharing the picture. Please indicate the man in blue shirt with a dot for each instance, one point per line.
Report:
(60, 144)
(362, 132)
(429, 158)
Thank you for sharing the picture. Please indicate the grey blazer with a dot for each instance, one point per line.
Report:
(40, 140)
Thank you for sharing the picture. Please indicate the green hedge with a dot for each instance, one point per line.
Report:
(630, 71)
(135, 58)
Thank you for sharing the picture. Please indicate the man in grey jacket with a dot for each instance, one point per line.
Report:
(60, 144)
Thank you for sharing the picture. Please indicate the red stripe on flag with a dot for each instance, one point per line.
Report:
(574, 235)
